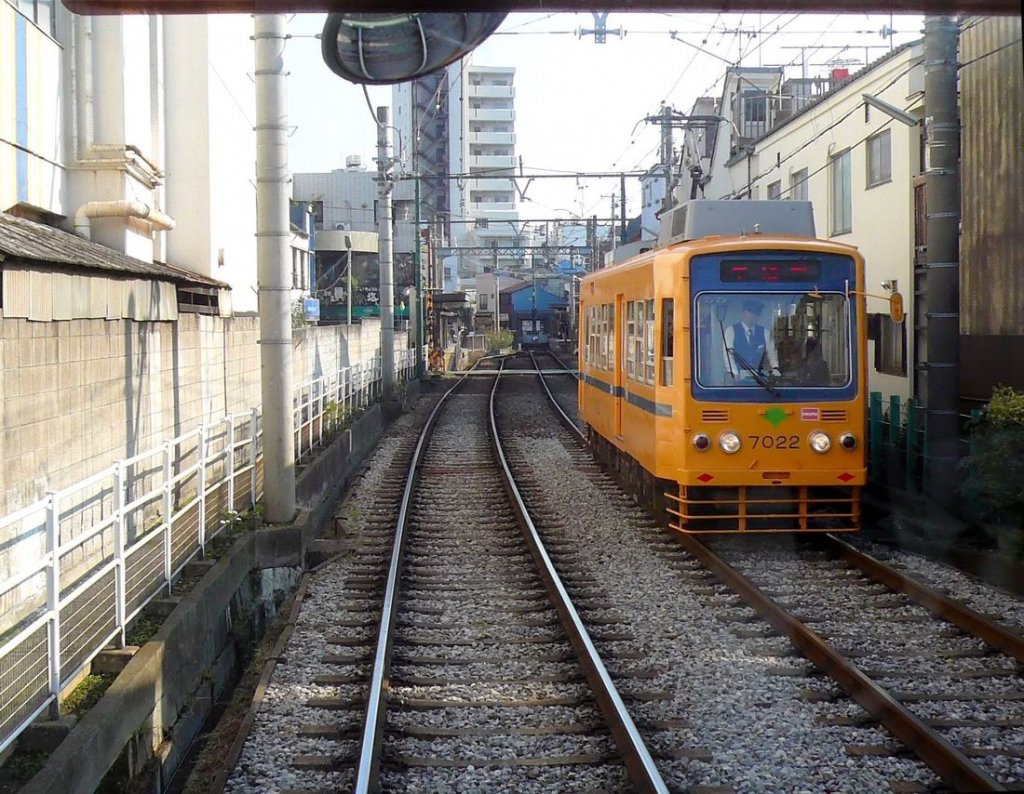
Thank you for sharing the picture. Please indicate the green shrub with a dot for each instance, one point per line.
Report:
(500, 340)
(994, 471)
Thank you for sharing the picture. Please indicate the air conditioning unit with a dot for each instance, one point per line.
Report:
(339, 227)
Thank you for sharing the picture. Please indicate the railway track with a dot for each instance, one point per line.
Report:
(484, 673)
(449, 658)
(716, 692)
(969, 661)
(928, 669)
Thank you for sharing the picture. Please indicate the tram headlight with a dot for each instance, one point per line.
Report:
(820, 442)
(701, 441)
(848, 441)
(729, 442)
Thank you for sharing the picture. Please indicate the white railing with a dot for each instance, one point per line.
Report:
(86, 559)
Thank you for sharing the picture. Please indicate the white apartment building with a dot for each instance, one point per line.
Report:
(463, 123)
(860, 168)
(489, 116)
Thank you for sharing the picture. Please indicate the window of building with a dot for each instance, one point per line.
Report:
(483, 302)
(798, 185)
(890, 344)
(41, 12)
(755, 106)
(775, 190)
(879, 158)
(841, 209)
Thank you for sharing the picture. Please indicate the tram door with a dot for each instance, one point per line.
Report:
(619, 324)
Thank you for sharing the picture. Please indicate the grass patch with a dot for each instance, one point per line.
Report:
(20, 768)
(142, 629)
(87, 694)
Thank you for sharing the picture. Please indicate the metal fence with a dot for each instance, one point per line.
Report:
(84, 561)
(898, 444)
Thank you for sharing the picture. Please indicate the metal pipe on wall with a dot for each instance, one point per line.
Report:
(273, 269)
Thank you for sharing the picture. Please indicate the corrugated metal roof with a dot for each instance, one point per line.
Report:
(38, 243)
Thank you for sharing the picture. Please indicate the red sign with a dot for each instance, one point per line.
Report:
(810, 414)
(705, 477)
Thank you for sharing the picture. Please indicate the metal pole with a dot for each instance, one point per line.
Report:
(387, 275)
(418, 334)
(666, 153)
(942, 297)
(348, 286)
(622, 207)
(274, 276)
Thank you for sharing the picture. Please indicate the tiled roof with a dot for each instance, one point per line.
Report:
(35, 242)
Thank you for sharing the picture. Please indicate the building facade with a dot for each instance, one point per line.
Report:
(458, 141)
(860, 167)
(135, 132)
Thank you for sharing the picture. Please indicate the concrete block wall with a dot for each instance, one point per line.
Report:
(80, 394)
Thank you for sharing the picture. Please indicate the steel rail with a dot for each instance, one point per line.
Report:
(368, 768)
(561, 363)
(999, 637)
(942, 757)
(637, 758)
(571, 425)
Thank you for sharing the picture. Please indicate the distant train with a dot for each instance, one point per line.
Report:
(723, 375)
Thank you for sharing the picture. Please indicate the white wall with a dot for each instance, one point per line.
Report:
(211, 149)
(882, 216)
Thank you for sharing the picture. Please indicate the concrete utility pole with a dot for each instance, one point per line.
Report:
(622, 207)
(942, 259)
(387, 274)
(274, 269)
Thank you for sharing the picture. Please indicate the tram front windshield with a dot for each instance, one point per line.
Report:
(748, 339)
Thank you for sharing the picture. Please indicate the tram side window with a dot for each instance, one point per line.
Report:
(608, 337)
(667, 340)
(638, 341)
(631, 353)
(649, 341)
(593, 336)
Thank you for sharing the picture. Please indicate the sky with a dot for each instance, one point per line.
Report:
(580, 105)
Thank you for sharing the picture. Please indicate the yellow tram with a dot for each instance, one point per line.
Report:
(722, 374)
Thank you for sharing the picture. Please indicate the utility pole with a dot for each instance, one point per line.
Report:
(420, 321)
(667, 118)
(942, 259)
(387, 276)
(273, 269)
(611, 231)
(622, 207)
(592, 242)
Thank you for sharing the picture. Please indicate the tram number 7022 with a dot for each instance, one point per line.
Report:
(775, 442)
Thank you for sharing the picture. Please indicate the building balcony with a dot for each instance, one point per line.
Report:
(491, 161)
(490, 91)
(502, 231)
(493, 209)
(491, 138)
(492, 183)
(490, 114)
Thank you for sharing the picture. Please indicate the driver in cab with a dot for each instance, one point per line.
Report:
(749, 346)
